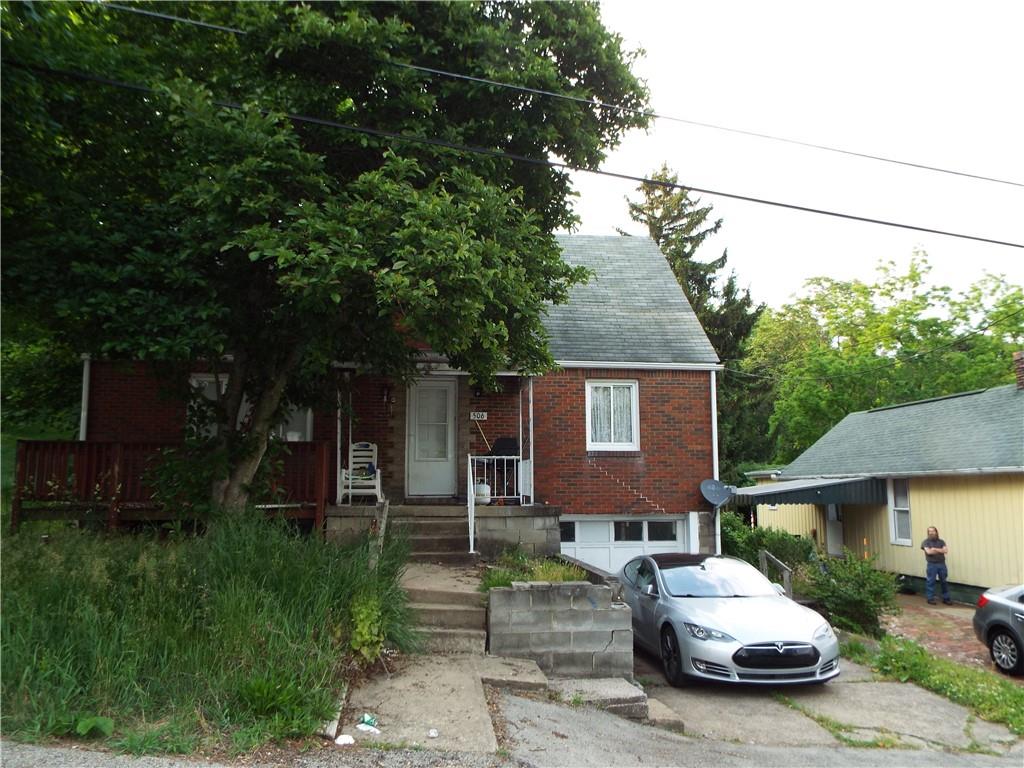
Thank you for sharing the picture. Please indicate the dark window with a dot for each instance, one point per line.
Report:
(630, 570)
(645, 575)
(568, 531)
(629, 531)
(661, 530)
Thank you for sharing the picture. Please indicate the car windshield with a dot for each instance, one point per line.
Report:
(716, 578)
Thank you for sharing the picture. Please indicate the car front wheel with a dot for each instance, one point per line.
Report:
(672, 657)
(1006, 652)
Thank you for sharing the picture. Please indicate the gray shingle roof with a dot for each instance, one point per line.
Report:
(973, 431)
(632, 309)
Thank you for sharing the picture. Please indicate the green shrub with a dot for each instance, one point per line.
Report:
(248, 627)
(744, 542)
(851, 590)
(515, 565)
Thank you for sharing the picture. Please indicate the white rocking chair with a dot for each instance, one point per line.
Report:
(362, 477)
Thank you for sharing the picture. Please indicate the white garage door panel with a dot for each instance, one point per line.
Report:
(594, 543)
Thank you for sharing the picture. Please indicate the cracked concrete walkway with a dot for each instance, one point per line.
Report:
(855, 707)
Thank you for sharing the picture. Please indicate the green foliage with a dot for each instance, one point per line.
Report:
(849, 346)
(91, 727)
(249, 628)
(679, 225)
(367, 627)
(167, 228)
(744, 542)
(853, 593)
(515, 565)
(42, 377)
(984, 692)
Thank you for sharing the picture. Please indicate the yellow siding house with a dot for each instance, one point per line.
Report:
(876, 481)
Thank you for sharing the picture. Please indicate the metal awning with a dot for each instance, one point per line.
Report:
(816, 490)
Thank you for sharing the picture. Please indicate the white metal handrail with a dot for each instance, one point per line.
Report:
(501, 475)
(470, 503)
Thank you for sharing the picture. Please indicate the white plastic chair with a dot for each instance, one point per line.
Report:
(362, 477)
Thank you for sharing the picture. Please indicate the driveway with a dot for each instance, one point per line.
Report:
(854, 709)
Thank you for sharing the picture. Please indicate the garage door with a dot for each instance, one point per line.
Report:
(609, 543)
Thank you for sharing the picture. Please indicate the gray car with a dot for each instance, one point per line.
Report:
(719, 618)
(999, 623)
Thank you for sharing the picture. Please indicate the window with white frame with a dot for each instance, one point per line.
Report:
(613, 415)
(899, 512)
(297, 426)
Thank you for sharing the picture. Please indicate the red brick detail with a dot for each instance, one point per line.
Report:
(663, 476)
(129, 402)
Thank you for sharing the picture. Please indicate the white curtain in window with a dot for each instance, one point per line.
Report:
(601, 415)
(622, 416)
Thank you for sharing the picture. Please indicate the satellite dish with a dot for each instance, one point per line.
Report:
(716, 492)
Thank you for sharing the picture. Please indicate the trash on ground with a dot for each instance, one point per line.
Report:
(432, 733)
(344, 740)
(368, 719)
(367, 728)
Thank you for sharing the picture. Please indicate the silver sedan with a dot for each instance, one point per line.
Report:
(719, 618)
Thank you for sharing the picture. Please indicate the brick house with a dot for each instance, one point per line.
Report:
(605, 454)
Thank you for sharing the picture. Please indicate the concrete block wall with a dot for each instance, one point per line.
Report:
(570, 628)
(534, 529)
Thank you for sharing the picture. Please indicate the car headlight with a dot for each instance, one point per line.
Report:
(706, 633)
(824, 632)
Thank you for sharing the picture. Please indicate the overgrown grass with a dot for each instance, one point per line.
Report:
(516, 565)
(984, 692)
(232, 639)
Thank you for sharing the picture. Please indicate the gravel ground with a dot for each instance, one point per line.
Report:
(14, 755)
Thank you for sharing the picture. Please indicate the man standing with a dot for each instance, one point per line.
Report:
(935, 551)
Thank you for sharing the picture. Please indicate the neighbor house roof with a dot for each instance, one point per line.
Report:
(981, 431)
(632, 310)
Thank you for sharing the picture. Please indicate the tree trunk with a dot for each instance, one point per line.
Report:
(232, 494)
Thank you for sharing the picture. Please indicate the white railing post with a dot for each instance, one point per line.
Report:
(471, 501)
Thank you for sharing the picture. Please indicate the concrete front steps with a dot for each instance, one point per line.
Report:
(449, 608)
(437, 533)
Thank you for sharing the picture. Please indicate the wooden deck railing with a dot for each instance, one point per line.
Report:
(66, 480)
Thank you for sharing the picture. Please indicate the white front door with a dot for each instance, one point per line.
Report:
(430, 448)
(834, 530)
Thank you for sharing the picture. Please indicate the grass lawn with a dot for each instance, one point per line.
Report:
(220, 642)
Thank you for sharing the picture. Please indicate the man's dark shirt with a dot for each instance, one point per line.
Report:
(937, 544)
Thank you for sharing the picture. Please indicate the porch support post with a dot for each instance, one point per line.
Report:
(83, 421)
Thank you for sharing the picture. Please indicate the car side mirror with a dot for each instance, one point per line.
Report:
(779, 588)
(650, 590)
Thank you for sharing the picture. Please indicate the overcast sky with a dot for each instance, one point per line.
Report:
(935, 83)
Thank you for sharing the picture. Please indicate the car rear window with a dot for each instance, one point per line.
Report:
(716, 578)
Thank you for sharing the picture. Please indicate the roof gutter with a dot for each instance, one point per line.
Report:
(640, 366)
(930, 473)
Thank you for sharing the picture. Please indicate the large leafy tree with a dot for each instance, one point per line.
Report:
(679, 224)
(162, 225)
(850, 345)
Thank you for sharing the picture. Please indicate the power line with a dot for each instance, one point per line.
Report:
(586, 101)
(872, 369)
(465, 148)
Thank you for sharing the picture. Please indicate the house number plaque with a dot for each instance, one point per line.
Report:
(478, 415)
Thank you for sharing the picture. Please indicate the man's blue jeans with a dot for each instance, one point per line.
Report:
(936, 571)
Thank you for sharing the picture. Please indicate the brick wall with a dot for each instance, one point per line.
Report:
(662, 477)
(129, 402)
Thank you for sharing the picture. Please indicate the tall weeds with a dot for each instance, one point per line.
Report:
(245, 631)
